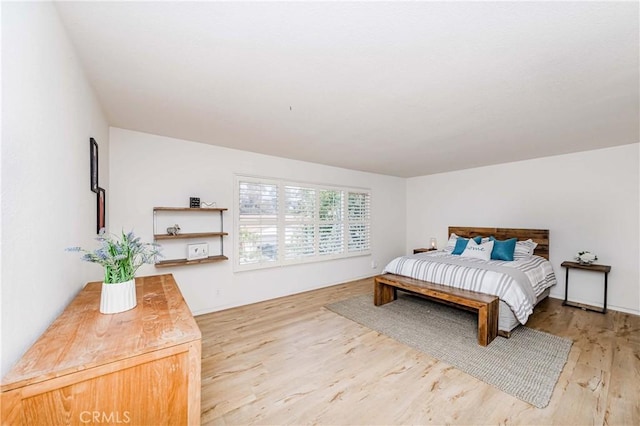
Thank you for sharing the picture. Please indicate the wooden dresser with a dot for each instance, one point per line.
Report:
(140, 367)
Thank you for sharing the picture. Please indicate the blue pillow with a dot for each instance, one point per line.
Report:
(461, 244)
(503, 250)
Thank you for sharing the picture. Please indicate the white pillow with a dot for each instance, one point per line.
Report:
(451, 244)
(524, 248)
(478, 251)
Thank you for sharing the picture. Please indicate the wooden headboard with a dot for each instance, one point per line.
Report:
(540, 236)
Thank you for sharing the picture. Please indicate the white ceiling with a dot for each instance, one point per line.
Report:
(402, 88)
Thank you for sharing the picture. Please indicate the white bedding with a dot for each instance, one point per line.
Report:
(518, 283)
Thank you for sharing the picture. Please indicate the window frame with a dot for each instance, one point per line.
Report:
(282, 223)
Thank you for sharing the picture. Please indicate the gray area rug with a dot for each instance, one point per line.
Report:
(527, 365)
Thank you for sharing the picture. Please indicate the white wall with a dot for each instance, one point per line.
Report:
(149, 170)
(48, 114)
(588, 201)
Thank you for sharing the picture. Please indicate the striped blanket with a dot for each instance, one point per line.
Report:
(517, 283)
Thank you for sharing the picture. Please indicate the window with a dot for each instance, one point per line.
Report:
(258, 223)
(280, 223)
(331, 223)
(359, 222)
(299, 222)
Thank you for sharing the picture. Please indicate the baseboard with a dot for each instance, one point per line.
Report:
(239, 303)
(610, 307)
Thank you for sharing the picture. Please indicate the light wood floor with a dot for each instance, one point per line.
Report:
(292, 361)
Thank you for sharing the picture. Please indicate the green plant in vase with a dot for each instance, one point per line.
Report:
(120, 258)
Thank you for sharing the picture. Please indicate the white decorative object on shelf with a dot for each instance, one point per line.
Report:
(173, 230)
(205, 205)
(197, 251)
(586, 257)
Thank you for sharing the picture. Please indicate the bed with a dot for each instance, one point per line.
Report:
(519, 284)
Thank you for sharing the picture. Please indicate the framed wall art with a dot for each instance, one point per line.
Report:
(101, 209)
(93, 161)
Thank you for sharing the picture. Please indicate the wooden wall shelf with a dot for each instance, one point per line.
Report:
(189, 209)
(190, 235)
(182, 262)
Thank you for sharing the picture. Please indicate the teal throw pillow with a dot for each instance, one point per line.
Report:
(461, 244)
(503, 250)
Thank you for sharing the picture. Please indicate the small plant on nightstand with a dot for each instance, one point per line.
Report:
(586, 257)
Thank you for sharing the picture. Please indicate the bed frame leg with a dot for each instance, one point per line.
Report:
(505, 334)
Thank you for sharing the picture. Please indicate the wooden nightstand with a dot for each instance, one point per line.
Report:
(423, 250)
(605, 269)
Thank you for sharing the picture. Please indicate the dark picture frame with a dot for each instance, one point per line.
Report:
(101, 204)
(93, 161)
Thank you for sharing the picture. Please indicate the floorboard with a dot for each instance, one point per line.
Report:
(292, 361)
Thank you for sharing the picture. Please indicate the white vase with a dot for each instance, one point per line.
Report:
(118, 297)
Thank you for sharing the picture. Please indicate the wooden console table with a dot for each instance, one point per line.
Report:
(605, 269)
(139, 367)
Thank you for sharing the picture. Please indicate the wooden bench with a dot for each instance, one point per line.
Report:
(485, 305)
